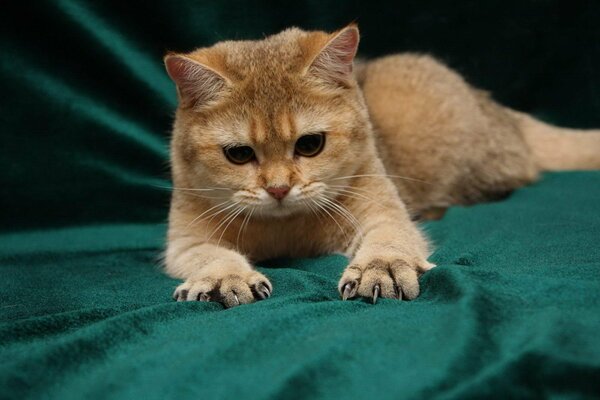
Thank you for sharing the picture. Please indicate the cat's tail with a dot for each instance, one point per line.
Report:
(557, 148)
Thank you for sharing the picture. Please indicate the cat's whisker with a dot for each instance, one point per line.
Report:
(241, 210)
(338, 194)
(204, 189)
(217, 213)
(206, 211)
(243, 226)
(250, 200)
(327, 206)
(230, 206)
(308, 204)
(348, 193)
(356, 229)
(350, 187)
(214, 214)
(380, 176)
(354, 195)
(345, 213)
(325, 209)
(224, 220)
(237, 240)
(312, 209)
(342, 210)
(194, 190)
(205, 197)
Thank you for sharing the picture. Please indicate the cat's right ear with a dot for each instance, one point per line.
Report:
(333, 63)
(198, 85)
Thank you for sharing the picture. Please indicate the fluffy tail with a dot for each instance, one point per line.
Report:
(557, 148)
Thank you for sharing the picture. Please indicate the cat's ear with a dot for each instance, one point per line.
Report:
(197, 84)
(334, 62)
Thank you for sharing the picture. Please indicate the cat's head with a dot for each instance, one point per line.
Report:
(274, 125)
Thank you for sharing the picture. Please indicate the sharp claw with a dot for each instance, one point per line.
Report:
(347, 291)
(376, 290)
(397, 292)
(236, 299)
(263, 291)
(261, 294)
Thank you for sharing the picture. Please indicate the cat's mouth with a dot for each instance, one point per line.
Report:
(291, 205)
(300, 199)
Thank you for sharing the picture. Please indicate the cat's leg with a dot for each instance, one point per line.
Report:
(392, 255)
(214, 273)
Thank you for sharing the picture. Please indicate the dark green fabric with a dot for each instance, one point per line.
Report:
(513, 310)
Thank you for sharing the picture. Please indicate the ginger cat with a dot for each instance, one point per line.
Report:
(287, 147)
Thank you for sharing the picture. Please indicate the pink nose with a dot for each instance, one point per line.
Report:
(278, 192)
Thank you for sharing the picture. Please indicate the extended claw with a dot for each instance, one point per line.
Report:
(263, 291)
(376, 290)
(236, 299)
(398, 292)
(349, 290)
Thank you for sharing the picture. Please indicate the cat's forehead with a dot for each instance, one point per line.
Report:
(267, 129)
(285, 52)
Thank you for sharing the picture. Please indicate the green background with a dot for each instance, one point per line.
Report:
(85, 110)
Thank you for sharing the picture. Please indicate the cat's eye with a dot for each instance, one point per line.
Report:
(239, 154)
(310, 145)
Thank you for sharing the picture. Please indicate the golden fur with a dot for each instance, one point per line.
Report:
(401, 133)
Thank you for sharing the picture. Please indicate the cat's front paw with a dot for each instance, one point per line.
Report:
(228, 288)
(390, 278)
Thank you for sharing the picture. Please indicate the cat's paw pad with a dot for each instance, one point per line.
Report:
(394, 279)
(230, 290)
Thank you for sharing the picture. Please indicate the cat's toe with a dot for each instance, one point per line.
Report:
(229, 290)
(188, 291)
(394, 279)
(377, 281)
(180, 294)
(236, 290)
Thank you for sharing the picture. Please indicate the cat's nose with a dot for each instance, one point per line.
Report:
(278, 192)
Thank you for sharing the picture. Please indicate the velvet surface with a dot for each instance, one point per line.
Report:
(512, 310)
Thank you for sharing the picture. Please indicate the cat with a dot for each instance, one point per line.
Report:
(288, 146)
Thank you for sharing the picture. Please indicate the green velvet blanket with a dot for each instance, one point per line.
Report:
(512, 310)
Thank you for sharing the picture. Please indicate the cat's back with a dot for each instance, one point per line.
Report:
(416, 96)
(407, 71)
(432, 126)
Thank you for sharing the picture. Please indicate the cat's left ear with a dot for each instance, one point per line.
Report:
(198, 85)
(334, 62)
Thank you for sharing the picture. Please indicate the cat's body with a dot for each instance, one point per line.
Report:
(432, 126)
(398, 131)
